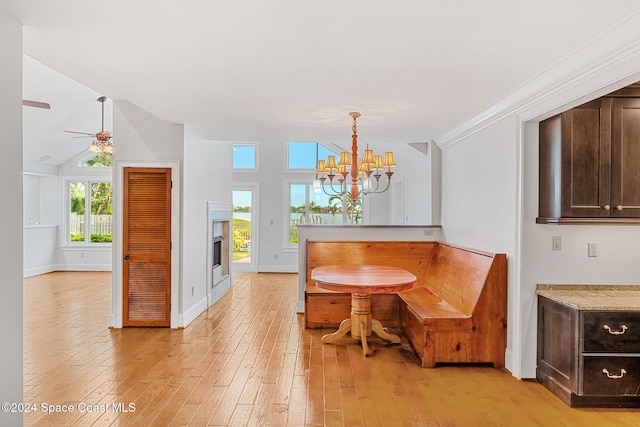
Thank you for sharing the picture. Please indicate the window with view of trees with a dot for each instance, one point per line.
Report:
(308, 207)
(100, 160)
(90, 212)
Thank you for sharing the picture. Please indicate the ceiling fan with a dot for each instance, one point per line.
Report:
(37, 104)
(102, 141)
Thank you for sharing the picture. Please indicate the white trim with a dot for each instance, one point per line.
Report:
(176, 238)
(192, 314)
(278, 268)
(610, 59)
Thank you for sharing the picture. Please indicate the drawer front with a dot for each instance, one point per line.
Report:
(611, 332)
(610, 376)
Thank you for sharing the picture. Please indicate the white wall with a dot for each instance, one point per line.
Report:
(479, 189)
(207, 176)
(12, 218)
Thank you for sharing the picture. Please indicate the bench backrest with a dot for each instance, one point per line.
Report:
(459, 275)
(414, 257)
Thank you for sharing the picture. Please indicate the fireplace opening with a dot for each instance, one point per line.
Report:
(217, 251)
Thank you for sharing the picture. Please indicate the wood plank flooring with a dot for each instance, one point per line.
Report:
(248, 361)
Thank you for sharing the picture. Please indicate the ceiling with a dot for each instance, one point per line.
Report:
(289, 70)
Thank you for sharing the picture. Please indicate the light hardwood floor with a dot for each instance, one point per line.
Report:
(247, 360)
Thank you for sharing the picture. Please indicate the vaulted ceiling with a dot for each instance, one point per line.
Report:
(289, 70)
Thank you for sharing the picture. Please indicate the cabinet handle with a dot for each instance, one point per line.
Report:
(607, 207)
(620, 332)
(619, 207)
(614, 377)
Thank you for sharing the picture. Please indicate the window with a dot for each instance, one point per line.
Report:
(244, 156)
(90, 209)
(302, 155)
(307, 207)
(100, 160)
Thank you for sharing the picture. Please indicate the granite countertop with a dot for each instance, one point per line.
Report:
(593, 297)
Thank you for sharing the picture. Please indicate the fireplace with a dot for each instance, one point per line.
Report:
(218, 250)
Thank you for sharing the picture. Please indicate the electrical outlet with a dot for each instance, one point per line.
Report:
(556, 243)
(193, 290)
(275, 256)
(592, 249)
(428, 232)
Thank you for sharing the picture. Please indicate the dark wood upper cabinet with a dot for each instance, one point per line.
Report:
(590, 163)
(625, 156)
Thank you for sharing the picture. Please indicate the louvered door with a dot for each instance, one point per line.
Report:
(147, 246)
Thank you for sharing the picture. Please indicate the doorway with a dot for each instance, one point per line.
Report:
(245, 237)
(147, 247)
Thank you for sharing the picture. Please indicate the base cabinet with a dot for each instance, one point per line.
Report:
(589, 358)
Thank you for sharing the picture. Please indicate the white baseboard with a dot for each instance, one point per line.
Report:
(84, 267)
(191, 314)
(43, 269)
(278, 268)
(36, 271)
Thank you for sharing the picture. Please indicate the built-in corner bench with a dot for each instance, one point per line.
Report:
(455, 313)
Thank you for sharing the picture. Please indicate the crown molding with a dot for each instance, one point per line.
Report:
(602, 65)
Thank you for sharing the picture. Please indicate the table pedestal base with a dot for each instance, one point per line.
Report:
(361, 325)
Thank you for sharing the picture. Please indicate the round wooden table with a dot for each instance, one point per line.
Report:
(362, 281)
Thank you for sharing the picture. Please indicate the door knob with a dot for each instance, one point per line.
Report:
(619, 207)
(607, 207)
(127, 256)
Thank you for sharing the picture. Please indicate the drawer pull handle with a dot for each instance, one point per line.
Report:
(622, 331)
(614, 377)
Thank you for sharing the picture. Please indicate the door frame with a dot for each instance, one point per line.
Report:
(117, 299)
(254, 187)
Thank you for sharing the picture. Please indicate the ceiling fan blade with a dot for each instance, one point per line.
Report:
(81, 133)
(36, 104)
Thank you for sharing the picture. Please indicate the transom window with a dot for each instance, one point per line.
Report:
(244, 156)
(302, 155)
(100, 160)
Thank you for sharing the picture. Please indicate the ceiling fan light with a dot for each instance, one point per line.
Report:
(95, 147)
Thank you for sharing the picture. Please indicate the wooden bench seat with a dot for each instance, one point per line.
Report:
(456, 311)
(426, 305)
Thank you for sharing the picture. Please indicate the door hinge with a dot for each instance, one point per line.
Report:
(172, 184)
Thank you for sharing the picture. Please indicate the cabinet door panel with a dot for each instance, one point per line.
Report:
(558, 342)
(586, 159)
(625, 188)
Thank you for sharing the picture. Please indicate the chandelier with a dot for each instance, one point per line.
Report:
(364, 174)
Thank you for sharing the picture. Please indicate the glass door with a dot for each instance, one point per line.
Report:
(244, 235)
